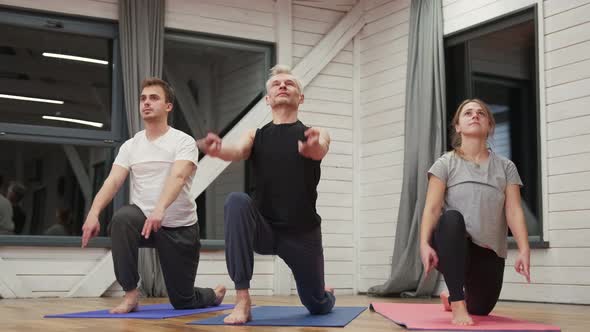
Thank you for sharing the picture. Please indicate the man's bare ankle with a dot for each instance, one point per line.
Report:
(132, 294)
(242, 294)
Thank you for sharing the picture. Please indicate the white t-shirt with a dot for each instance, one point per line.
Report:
(149, 164)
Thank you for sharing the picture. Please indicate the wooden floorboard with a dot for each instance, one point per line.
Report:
(24, 315)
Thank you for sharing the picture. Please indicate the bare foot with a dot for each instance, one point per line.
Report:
(219, 294)
(444, 299)
(241, 313)
(460, 314)
(129, 304)
(329, 289)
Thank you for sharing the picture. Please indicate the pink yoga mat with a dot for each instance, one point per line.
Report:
(415, 316)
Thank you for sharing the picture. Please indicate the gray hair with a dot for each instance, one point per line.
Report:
(282, 69)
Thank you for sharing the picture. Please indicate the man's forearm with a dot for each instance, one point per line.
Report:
(227, 153)
(103, 198)
(172, 187)
(230, 154)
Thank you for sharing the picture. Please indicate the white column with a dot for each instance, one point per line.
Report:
(356, 154)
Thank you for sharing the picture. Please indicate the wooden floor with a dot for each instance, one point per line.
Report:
(27, 315)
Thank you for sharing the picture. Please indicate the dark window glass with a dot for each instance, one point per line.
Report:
(61, 122)
(55, 79)
(54, 184)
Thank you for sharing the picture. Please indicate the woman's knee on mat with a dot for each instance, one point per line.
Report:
(480, 308)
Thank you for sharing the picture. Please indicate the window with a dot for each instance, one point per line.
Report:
(217, 81)
(60, 181)
(61, 121)
(497, 62)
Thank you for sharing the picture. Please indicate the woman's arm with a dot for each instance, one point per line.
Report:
(517, 224)
(432, 210)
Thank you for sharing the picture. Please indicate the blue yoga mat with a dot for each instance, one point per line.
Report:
(292, 316)
(153, 311)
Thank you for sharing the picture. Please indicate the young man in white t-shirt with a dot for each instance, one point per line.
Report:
(162, 162)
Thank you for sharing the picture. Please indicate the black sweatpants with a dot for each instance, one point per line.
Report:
(178, 249)
(247, 231)
(472, 273)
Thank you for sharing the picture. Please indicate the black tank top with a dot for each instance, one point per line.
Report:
(285, 181)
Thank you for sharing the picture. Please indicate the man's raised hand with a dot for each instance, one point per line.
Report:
(210, 145)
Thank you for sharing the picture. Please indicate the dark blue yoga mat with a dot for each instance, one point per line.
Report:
(292, 316)
(153, 311)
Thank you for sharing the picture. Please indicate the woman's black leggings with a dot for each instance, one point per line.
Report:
(472, 273)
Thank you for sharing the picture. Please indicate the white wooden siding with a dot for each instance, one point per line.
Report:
(383, 58)
(463, 14)
(244, 19)
(328, 104)
(92, 8)
(49, 272)
(560, 278)
(251, 19)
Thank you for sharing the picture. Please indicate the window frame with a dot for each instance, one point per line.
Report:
(512, 18)
(114, 138)
(79, 26)
(72, 136)
(268, 49)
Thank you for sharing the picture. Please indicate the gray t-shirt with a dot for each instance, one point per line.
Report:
(478, 192)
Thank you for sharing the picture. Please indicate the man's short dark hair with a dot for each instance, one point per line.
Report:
(168, 91)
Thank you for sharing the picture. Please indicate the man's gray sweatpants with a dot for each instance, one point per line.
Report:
(246, 231)
(178, 249)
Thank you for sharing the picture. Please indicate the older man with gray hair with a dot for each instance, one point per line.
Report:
(281, 219)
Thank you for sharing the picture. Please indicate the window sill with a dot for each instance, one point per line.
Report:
(75, 241)
(535, 242)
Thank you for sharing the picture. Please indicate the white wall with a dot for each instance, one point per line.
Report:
(104, 9)
(383, 57)
(328, 104)
(49, 272)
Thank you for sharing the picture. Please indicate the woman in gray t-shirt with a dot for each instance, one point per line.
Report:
(479, 193)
